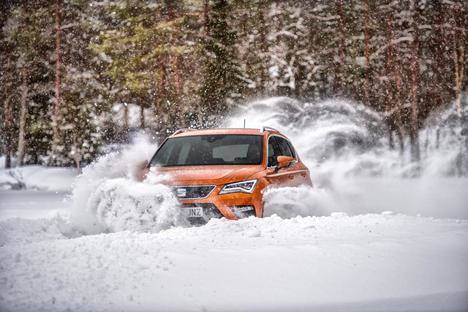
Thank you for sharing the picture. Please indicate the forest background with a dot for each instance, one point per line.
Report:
(79, 75)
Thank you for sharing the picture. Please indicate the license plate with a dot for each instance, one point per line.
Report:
(194, 212)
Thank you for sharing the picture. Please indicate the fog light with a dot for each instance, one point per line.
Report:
(243, 211)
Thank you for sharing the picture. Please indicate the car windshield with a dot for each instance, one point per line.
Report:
(210, 150)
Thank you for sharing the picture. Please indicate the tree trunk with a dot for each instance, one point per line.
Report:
(58, 78)
(8, 130)
(179, 89)
(76, 154)
(435, 96)
(414, 126)
(263, 48)
(178, 74)
(367, 54)
(399, 131)
(391, 142)
(8, 126)
(7, 157)
(125, 116)
(206, 11)
(22, 124)
(339, 83)
(162, 89)
(458, 57)
(459, 76)
(142, 117)
(389, 66)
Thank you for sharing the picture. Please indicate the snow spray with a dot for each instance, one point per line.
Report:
(107, 197)
(344, 144)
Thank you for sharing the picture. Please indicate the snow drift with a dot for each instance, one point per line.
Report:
(373, 262)
(37, 178)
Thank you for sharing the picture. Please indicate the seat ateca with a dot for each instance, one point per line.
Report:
(223, 172)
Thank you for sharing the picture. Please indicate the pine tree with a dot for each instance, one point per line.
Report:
(186, 63)
(28, 80)
(77, 92)
(152, 59)
(6, 93)
(222, 84)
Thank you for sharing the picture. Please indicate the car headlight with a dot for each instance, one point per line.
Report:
(239, 187)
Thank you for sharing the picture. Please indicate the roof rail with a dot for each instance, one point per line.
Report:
(269, 129)
(182, 131)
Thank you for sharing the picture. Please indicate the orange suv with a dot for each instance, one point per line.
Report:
(222, 172)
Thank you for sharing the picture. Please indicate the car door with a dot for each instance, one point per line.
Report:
(278, 146)
(297, 170)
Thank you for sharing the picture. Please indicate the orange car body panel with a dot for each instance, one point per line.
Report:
(219, 175)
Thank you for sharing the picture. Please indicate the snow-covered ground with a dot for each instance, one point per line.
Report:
(368, 262)
(31, 204)
(365, 262)
(42, 191)
(38, 178)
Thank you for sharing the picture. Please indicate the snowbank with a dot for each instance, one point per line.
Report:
(8, 180)
(382, 262)
(38, 177)
(24, 231)
(440, 197)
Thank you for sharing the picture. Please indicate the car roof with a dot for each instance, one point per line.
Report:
(244, 131)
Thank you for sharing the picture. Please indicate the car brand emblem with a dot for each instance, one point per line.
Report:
(181, 192)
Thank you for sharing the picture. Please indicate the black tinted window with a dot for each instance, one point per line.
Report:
(272, 152)
(284, 148)
(278, 146)
(210, 150)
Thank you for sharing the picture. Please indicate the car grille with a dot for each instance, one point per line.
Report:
(209, 211)
(192, 192)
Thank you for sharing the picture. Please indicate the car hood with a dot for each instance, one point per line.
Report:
(213, 175)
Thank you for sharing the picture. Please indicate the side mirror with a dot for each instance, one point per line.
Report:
(284, 161)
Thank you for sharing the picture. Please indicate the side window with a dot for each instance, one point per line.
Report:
(292, 149)
(284, 148)
(272, 151)
(278, 146)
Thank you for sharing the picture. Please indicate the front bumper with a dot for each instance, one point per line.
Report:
(231, 206)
